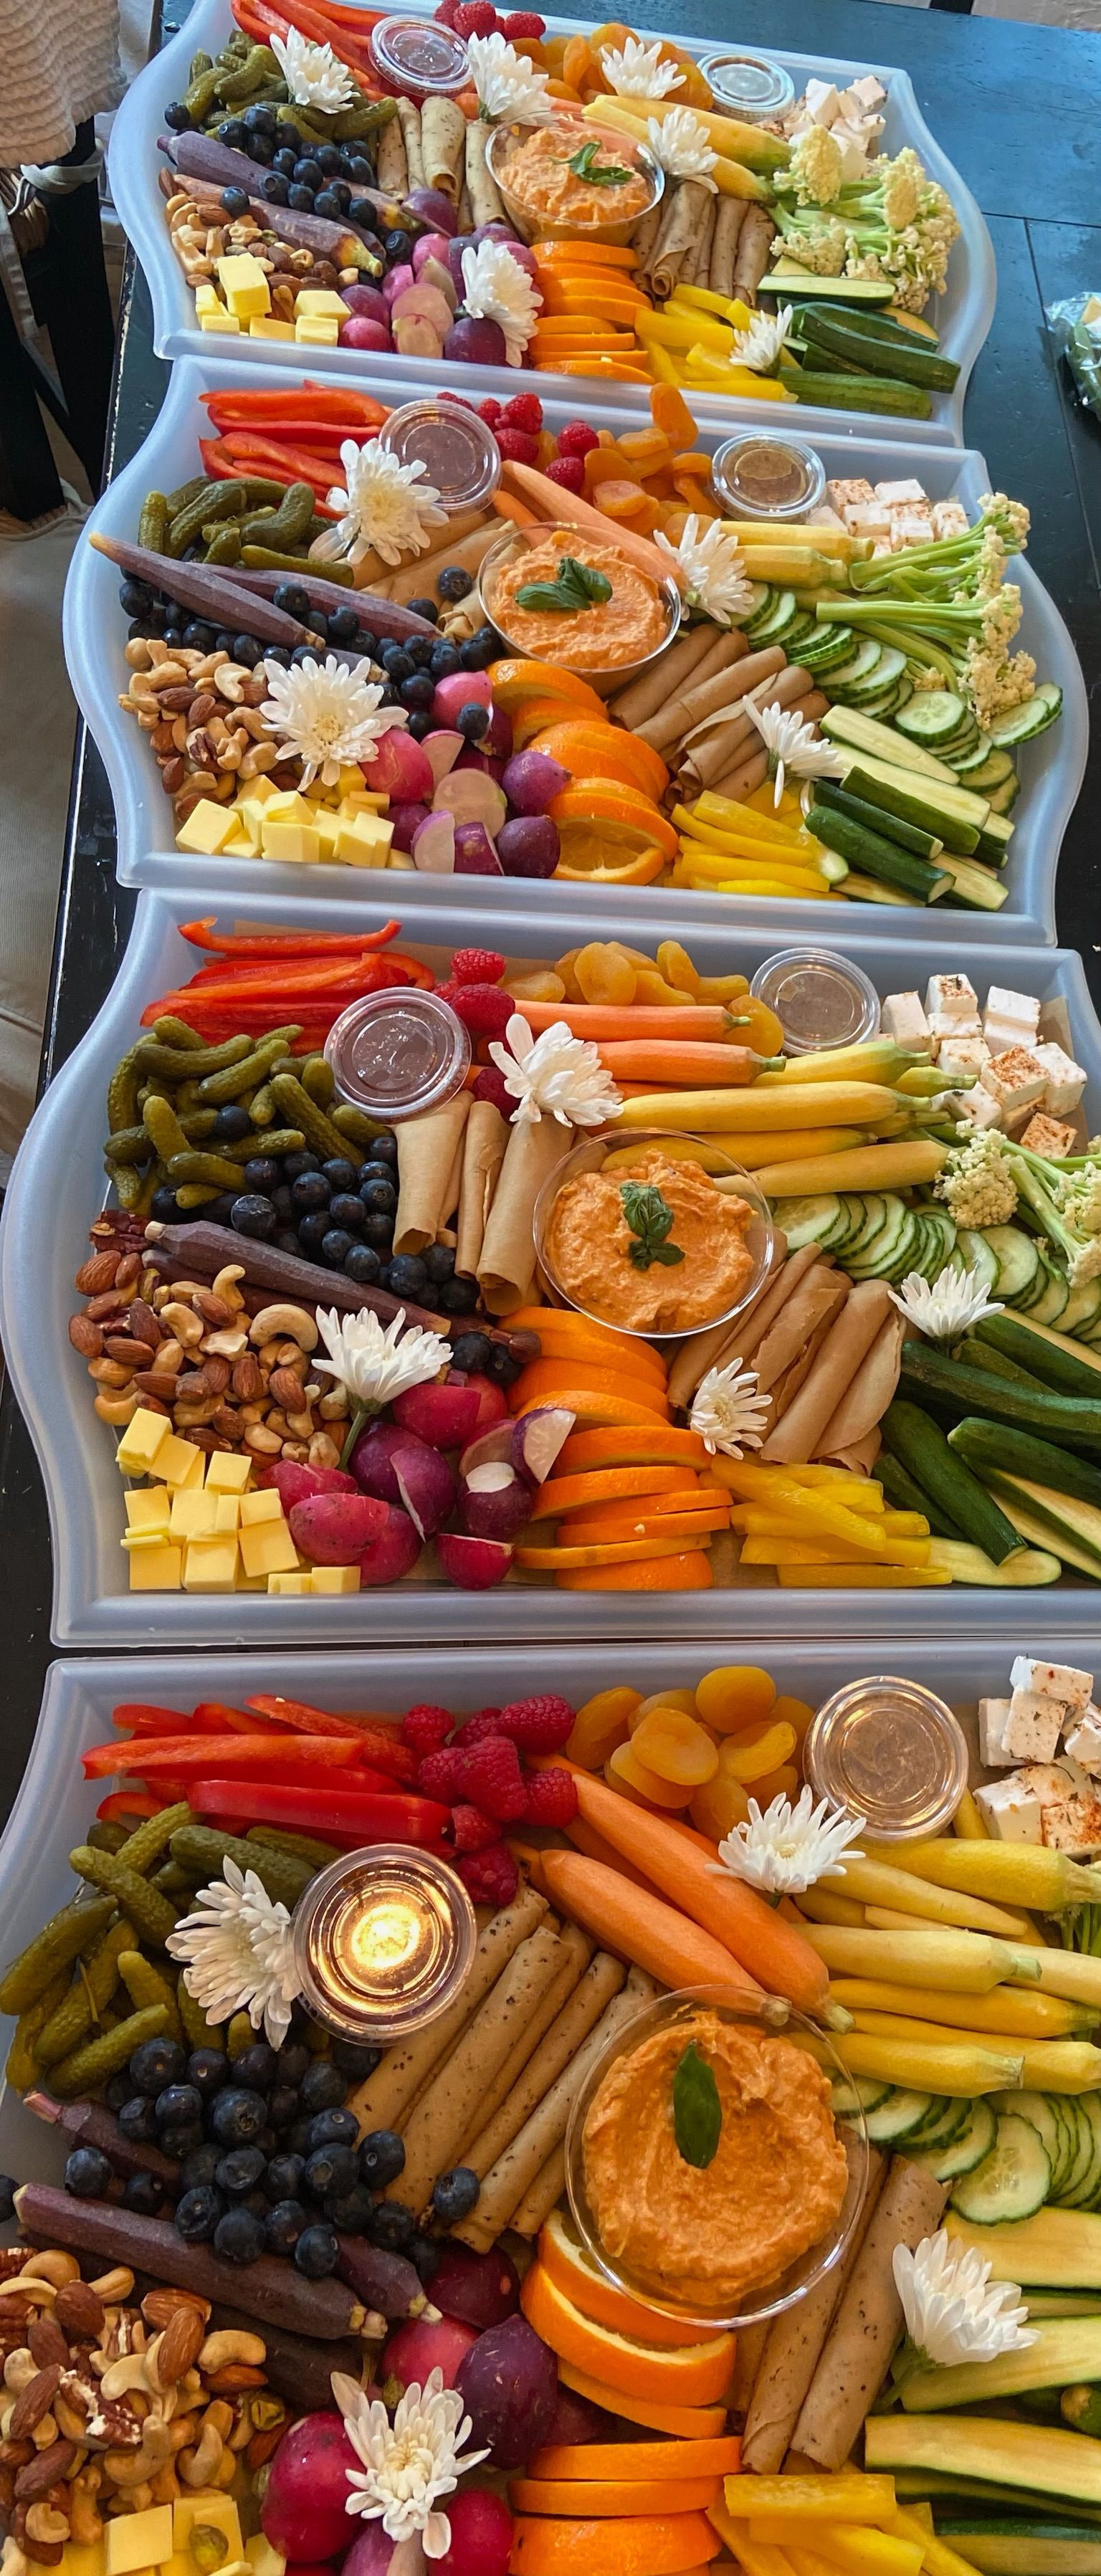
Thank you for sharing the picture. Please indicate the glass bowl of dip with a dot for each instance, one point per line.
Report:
(732, 2241)
(611, 641)
(548, 201)
(626, 1156)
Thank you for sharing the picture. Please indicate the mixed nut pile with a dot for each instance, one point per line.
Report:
(200, 711)
(198, 243)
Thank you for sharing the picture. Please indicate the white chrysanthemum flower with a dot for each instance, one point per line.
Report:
(377, 1363)
(385, 509)
(953, 2311)
(728, 1412)
(410, 2464)
(556, 1073)
(710, 569)
(326, 715)
(507, 85)
(497, 289)
(945, 1306)
(312, 73)
(636, 70)
(760, 344)
(680, 146)
(792, 744)
(789, 1848)
(239, 1953)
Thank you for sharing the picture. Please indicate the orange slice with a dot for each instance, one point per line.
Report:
(631, 1445)
(618, 1551)
(579, 254)
(615, 369)
(590, 1409)
(593, 800)
(547, 1377)
(636, 1360)
(687, 2375)
(640, 2545)
(613, 2496)
(682, 2423)
(693, 1528)
(688, 1573)
(515, 683)
(584, 2460)
(569, 1493)
(600, 1341)
(575, 740)
(582, 863)
(568, 2265)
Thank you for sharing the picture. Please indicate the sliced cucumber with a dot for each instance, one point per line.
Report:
(857, 2093)
(894, 2119)
(1037, 713)
(865, 659)
(1004, 796)
(810, 1220)
(1042, 2115)
(968, 2148)
(1018, 1258)
(1012, 2181)
(943, 2123)
(772, 622)
(933, 716)
(978, 1254)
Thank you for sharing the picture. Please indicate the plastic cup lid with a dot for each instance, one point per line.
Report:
(749, 82)
(744, 473)
(820, 1000)
(419, 53)
(398, 1052)
(459, 452)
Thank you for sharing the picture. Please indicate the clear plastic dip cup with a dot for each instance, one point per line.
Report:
(820, 1000)
(459, 452)
(419, 57)
(749, 84)
(398, 1052)
(891, 1753)
(759, 476)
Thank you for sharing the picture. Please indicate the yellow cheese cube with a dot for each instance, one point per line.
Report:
(322, 299)
(211, 1564)
(363, 800)
(287, 805)
(258, 792)
(217, 2512)
(350, 781)
(268, 1548)
(265, 326)
(364, 842)
(83, 2561)
(180, 1462)
(244, 285)
(207, 829)
(317, 330)
(193, 1513)
(227, 1510)
(155, 1569)
(144, 1435)
(206, 297)
(262, 2558)
(290, 841)
(143, 1539)
(335, 1578)
(147, 1508)
(327, 825)
(246, 838)
(216, 318)
(138, 2539)
(239, 846)
(263, 1505)
(250, 1582)
(288, 1583)
(228, 1471)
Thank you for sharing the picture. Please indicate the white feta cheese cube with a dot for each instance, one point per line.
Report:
(1066, 1080)
(896, 495)
(903, 1019)
(1015, 1078)
(1033, 1727)
(1070, 1809)
(1055, 1681)
(1048, 1136)
(956, 1055)
(843, 492)
(993, 1720)
(914, 526)
(868, 519)
(951, 999)
(950, 519)
(1022, 1010)
(868, 90)
(1083, 1741)
(976, 1108)
(1010, 1810)
(821, 102)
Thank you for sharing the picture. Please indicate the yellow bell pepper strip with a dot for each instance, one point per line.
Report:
(727, 308)
(861, 1578)
(939, 2559)
(848, 2495)
(773, 1487)
(860, 2551)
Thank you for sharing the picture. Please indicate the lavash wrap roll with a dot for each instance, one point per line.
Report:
(724, 244)
(862, 1407)
(482, 189)
(641, 699)
(443, 145)
(868, 2322)
(711, 746)
(391, 160)
(440, 2120)
(755, 239)
(541, 2196)
(409, 117)
(794, 1441)
(748, 2351)
(484, 1141)
(426, 1158)
(512, 2176)
(384, 2098)
(679, 230)
(576, 1951)
(739, 672)
(794, 2340)
(573, 2021)
(507, 1265)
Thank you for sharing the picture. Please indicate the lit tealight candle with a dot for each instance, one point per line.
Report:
(383, 1940)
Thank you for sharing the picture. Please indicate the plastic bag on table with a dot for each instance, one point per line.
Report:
(1076, 329)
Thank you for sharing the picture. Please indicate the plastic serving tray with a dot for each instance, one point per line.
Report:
(95, 633)
(56, 1191)
(54, 1805)
(962, 315)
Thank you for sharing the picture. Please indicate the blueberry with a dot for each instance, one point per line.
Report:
(283, 2179)
(283, 2226)
(397, 663)
(316, 2252)
(340, 1173)
(412, 1277)
(117, 2091)
(322, 2087)
(353, 2213)
(275, 187)
(259, 119)
(471, 1351)
(384, 1148)
(291, 597)
(378, 1230)
(267, 2142)
(173, 636)
(418, 693)
(336, 2128)
(335, 1246)
(472, 721)
(396, 244)
(281, 1202)
(177, 118)
(87, 2173)
(180, 2142)
(232, 1123)
(143, 2192)
(298, 2140)
(207, 2069)
(136, 598)
(308, 172)
(480, 649)
(422, 646)
(421, 723)
(445, 660)
(439, 1261)
(312, 1231)
(293, 1166)
(458, 1296)
(286, 1240)
(300, 199)
(237, 2116)
(256, 2067)
(248, 650)
(331, 2172)
(199, 638)
(290, 134)
(284, 161)
(379, 1197)
(358, 167)
(155, 2063)
(197, 2214)
(253, 1216)
(199, 2170)
(381, 2158)
(137, 2120)
(310, 1190)
(455, 2194)
(239, 2236)
(392, 2227)
(278, 653)
(318, 620)
(343, 626)
(282, 2107)
(355, 2058)
(8, 2188)
(178, 2106)
(164, 1206)
(346, 1211)
(363, 1265)
(293, 2058)
(219, 1211)
(232, 132)
(424, 2255)
(328, 204)
(261, 149)
(453, 583)
(239, 2172)
(503, 1367)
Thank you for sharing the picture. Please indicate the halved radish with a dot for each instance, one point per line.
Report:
(433, 849)
(495, 1501)
(441, 750)
(471, 796)
(537, 1439)
(476, 1564)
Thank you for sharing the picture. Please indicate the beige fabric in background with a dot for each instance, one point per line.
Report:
(36, 750)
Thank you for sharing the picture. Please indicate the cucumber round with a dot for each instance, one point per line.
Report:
(968, 2149)
(894, 2119)
(1012, 2181)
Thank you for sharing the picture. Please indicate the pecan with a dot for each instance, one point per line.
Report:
(179, 2345)
(85, 1337)
(47, 2344)
(142, 1322)
(97, 1273)
(35, 2401)
(46, 2468)
(79, 2311)
(45, 2553)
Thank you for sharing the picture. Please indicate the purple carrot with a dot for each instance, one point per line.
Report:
(270, 2290)
(208, 590)
(385, 2282)
(383, 616)
(198, 156)
(88, 2124)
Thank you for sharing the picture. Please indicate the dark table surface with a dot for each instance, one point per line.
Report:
(1018, 110)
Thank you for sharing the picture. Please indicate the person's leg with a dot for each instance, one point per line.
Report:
(74, 304)
(30, 485)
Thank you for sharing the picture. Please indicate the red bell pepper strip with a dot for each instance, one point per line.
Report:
(215, 1717)
(179, 1753)
(379, 1743)
(226, 459)
(139, 1717)
(352, 1815)
(126, 1806)
(320, 31)
(287, 943)
(245, 407)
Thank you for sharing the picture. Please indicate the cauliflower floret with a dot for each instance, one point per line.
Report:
(1080, 1201)
(995, 681)
(815, 171)
(977, 1184)
(1010, 518)
(821, 247)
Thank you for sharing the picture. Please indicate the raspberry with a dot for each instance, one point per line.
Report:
(426, 1728)
(446, 12)
(485, 1011)
(475, 18)
(492, 1780)
(463, 400)
(552, 1798)
(523, 22)
(517, 445)
(473, 1831)
(442, 1775)
(490, 409)
(491, 1085)
(477, 966)
(576, 438)
(524, 411)
(491, 1877)
(479, 1729)
(542, 1724)
(570, 472)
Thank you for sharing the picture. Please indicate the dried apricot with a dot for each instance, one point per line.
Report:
(600, 1725)
(734, 1695)
(676, 1747)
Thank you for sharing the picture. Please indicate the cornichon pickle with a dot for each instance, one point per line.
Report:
(200, 63)
(91, 2066)
(177, 1033)
(194, 1194)
(129, 1145)
(163, 1062)
(258, 558)
(21, 2069)
(145, 1985)
(354, 1125)
(171, 1879)
(67, 1936)
(185, 492)
(259, 66)
(211, 1169)
(105, 1836)
(300, 1111)
(262, 1106)
(201, 93)
(87, 1998)
(198, 2031)
(218, 501)
(288, 527)
(301, 1846)
(224, 544)
(153, 523)
(239, 2035)
(125, 1179)
(152, 1914)
(161, 1124)
(229, 1083)
(317, 1077)
(152, 1837)
(122, 1093)
(201, 1849)
(285, 1140)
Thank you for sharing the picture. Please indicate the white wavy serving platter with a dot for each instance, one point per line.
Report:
(95, 633)
(962, 315)
(56, 1190)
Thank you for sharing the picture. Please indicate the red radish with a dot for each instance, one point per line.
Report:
(365, 299)
(475, 855)
(396, 282)
(333, 1529)
(481, 2535)
(443, 1415)
(576, 2419)
(476, 343)
(434, 845)
(372, 2554)
(492, 1401)
(477, 758)
(294, 1483)
(400, 768)
(482, 2289)
(432, 207)
(422, 303)
(455, 248)
(317, 2567)
(471, 796)
(430, 246)
(405, 819)
(415, 336)
(498, 741)
(532, 780)
(460, 689)
(494, 1501)
(529, 846)
(442, 750)
(304, 2512)
(374, 1457)
(508, 2385)
(537, 1439)
(435, 272)
(489, 1448)
(361, 331)
(417, 2348)
(426, 1486)
(394, 1553)
(475, 1564)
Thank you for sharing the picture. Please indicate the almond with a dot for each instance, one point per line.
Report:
(179, 2345)
(47, 2344)
(159, 2306)
(97, 1273)
(33, 2402)
(142, 1323)
(85, 1337)
(129, 1269)
(79, 2311)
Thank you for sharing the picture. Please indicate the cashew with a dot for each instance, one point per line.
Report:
(124, 2375)
(166, 2485)
(68, 2421)
(44, 2433)
(225, 1345)
(220, 2349)
(45, 2522)
(323, 1451)
(19, 2369)
(111, 2285)
(200, 2467)
(12, 2560)
(226, 2470)
(183, 1322)
(85, 2518)
(291, 1322)
(137, 2499)
(225, 1285)
(220, 2415)
(132, 2468)
(117, 1409)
